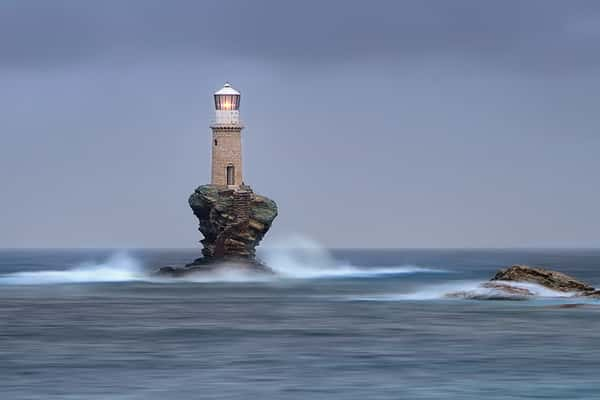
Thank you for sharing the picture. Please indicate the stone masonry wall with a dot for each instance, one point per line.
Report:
(226, 150)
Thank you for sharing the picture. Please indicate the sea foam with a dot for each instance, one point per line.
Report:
(469, 290)
(118, 268)
(299, 257)
(296, 257)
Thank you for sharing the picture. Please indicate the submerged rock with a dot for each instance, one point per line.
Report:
(493, 291)
(203, 265)
(593, 293)
(233, 222)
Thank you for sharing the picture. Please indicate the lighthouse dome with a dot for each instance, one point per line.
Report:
(227, 89)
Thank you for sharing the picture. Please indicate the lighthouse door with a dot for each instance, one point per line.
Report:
(230, 175)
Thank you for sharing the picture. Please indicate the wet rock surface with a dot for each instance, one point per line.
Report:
(233, 222)
(493, 291)
(203, 265)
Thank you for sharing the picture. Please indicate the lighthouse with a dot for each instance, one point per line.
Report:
(232, 218)
(227, 139)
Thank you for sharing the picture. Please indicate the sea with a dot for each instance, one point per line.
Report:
(331, 324)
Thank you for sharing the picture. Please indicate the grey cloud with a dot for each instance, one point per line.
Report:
(489, 136)
(543, 35)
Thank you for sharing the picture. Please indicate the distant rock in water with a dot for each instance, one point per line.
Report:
(550, 279)
(233, 222)
(500, 288)
(493, 291)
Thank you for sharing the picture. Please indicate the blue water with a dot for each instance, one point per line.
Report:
(349, 324)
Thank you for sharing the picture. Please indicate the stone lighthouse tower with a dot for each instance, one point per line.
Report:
(227, 139)
(232, 218)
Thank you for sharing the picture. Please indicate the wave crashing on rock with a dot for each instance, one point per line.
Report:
(522, 282)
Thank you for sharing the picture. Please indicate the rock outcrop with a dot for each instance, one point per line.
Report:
(233, 222)
(551, 279)
(500, 287)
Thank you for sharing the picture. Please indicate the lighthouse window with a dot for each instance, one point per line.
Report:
(227, 102)
(216, 143)
(230, 175)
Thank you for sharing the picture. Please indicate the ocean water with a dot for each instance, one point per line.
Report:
(343, 324)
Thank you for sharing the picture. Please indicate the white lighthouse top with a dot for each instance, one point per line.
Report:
(227, 106)
(227, 90)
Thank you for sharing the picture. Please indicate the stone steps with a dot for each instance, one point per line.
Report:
(241, 205)
(240, 210)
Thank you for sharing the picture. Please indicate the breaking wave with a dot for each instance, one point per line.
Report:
(472, 290)
(294, 258)
(118, 268)
(302, 258)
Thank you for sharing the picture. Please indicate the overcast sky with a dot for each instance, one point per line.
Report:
(371, 123)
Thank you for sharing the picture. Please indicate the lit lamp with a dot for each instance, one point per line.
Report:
(227, 99)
